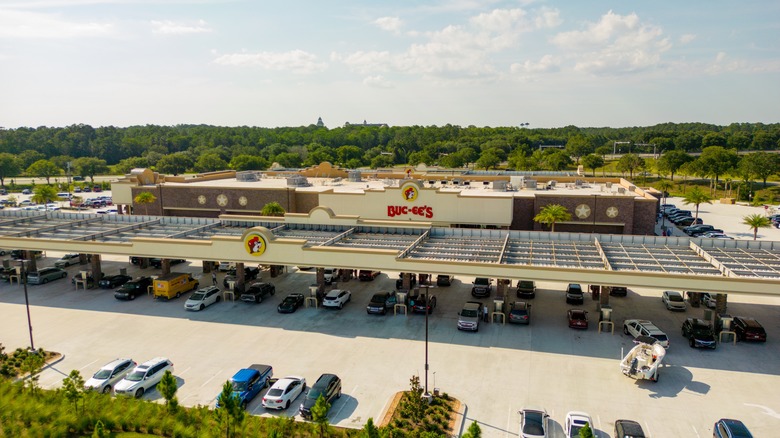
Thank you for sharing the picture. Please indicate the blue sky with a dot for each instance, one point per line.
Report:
(464, 62)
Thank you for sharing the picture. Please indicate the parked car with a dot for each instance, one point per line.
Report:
(520, 313)
(468, 317)
(578, 318)
(284, 392)
(533, 423)
(699, 333)
(328, 386)
(226, 266)
(618, 291)
(673, 300)
(443, 280)
(367, 275)
(574, 294)
(711, 234)
(482, 287)
(45, 275)
(202, 298)
(330, 275)
(250, 273)
(290, 303)
(133, 288)
(157, 262)
(688, 221)
(336, 298)
(697, 229)
(421, 306)
(748, 329)
(248, 383)
(728, 428)
(381, 301)
(628, 429)
(257, 292)
(575, 421)
(26, 192)
(67, 260)
(113, 281)
(144, 377)
(526, 289)
(107, 376)
(642, 327)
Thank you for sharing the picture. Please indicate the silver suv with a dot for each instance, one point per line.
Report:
(109, 375)
(468, 317)
(641, 327)
(144, 377)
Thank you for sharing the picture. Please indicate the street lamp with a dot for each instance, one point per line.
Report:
(426, 285)
(23, 274)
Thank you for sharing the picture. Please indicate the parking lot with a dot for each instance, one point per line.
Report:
(494, 372)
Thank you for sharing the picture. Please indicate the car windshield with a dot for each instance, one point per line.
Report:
(102, 374)
(526, 284)
(198, 296)
(661, 338)
(675, 297)
(239, 386)
(136, 376)
(533, 424)
(274, 392)
(469, 313)
(378, 298)
(314, 393)
(575, 430)
(481, 281)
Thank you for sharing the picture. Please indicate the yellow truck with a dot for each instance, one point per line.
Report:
(173, 285)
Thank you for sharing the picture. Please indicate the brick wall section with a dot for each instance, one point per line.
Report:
(523, 214)
(645, 214)
(598, 205)
(306, 201)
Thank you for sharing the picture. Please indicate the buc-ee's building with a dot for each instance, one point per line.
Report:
(447, 198)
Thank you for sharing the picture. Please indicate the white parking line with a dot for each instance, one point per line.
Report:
(695, 431)
(647, 428)
(354, 391)
(211, 378)
(80, 369)
(508, 421)
(184, 372)
(598, 424)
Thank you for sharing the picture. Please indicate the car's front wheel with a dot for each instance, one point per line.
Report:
(201, 307)
(45, 280)
(139, 393)
(625, 330)
(106, 389)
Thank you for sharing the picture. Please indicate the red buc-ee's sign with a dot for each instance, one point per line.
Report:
(398, 210)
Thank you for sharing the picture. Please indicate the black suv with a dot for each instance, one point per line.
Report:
(257, 292)
(443, 280)
(382, 301)
(482, 287)
(250, 273)
(748, 329)
(574, 294)
(628, 429)
(699, 333)
(526, 289)
(133, 288)
(328, 386)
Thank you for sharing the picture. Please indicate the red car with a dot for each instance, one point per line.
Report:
(578, 319)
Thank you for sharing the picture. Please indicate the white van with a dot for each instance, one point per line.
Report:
(64, 196)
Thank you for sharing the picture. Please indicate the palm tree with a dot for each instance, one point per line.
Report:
(145, 198)
(697, 196)
(44, 194)
(552, 213)
(756, 221)
(664, 186)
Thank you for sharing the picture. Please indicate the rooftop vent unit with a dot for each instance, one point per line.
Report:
(298, 181)
(500, 186)
(355, 176)
(248, 176)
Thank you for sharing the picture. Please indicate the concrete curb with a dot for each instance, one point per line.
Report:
(44, 367)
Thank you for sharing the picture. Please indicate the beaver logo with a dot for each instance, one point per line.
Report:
(410, 193)
(254, 244)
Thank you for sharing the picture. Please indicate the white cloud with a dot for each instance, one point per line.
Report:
(294, 61)
(22, 24)
(547, 18)
(377, 82)
(687, 38)
(390, 24)
(548, 63)
(173, 28)
(614, 44)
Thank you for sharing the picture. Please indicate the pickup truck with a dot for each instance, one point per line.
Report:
(248, 382)
(468, 317)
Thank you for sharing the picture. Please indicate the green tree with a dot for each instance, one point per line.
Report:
(664, 186)
(474, 431)
(100, 431)
(230, 413)
(714, 161)
(586, 431)
(488, 160)
(174, 163)
(381, 161)
(629, 163)
(592, 162)
(697, 196)
(347, 152)
(145, 198)
(671, 161)
(44, 169)
(272, 209)
(167, 388)
(31, 366)
(756, 221)
(128, 164)
(248, 162)
(289, 160)
(551, 214)
(10, 166)
(578, 146)
(89, 167)
(759, 164)
(369, 430)
(210, 163)
(319, 415)
(557, 160)
(73, 388)
(44, 194)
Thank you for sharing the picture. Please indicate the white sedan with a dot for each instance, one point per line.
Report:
(203, 298)
(673, 300)
(284, 392)
(575, 421)
(337, 298)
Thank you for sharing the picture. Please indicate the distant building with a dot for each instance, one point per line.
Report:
(370, 125)
(319, 122)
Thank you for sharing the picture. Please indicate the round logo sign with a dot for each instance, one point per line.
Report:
(409, 192)
(255, 244)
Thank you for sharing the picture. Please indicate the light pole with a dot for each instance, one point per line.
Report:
(427, 286)
(23, 274)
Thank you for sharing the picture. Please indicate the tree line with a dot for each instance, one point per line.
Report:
(47, 152)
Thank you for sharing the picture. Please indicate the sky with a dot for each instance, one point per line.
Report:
(429, 62)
